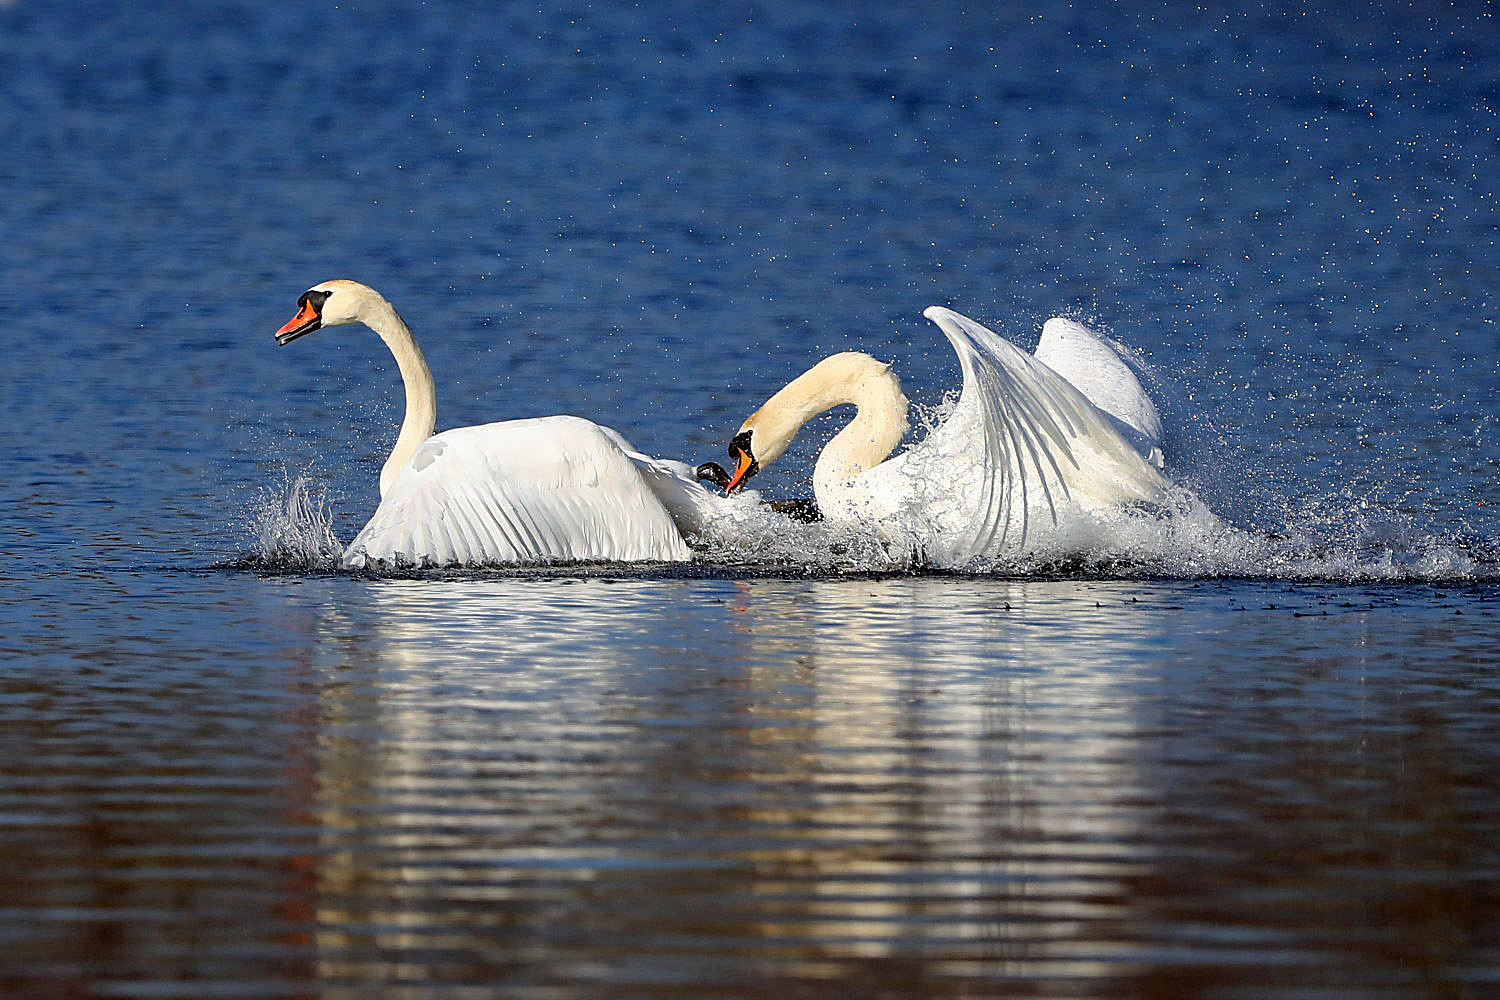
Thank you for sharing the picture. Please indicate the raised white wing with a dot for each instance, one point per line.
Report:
(1021, 444)
(1095, 368)
(551, 489)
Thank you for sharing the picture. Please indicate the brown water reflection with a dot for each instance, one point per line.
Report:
(888, 787)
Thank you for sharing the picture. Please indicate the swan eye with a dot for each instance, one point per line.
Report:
(314, 296)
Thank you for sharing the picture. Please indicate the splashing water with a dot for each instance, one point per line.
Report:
(1183, 540)
(758, 536)
(1333, 537)
(293, 527)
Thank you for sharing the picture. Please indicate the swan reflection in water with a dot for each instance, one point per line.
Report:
(782, 775)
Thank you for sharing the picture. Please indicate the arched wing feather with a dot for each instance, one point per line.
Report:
(1095, 367)
(553, 489)
(1021, 444)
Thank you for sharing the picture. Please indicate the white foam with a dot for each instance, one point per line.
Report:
(1182, 540)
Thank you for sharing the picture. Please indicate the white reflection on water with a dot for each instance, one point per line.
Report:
(944, 720)
(793, 778)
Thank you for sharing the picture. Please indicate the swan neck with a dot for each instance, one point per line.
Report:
(421, 404)
(878, 424)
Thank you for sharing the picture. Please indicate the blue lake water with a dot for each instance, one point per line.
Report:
(1262, 770)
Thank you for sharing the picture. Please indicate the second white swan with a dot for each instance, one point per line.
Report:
(1033, 445)
(548, 489)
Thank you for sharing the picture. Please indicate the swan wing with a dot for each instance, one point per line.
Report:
(692, 507)
(1094, 367)
(1022, 448)
(676, 485)
(552, 489)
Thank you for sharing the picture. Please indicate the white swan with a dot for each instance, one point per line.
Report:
(548, 489)
(1033, 445)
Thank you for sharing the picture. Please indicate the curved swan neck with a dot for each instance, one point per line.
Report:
(421, 404)
(878, 425)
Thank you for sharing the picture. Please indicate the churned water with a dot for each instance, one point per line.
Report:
(1251, 760)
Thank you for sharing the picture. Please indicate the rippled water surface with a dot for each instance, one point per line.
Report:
(1255, 763)
(637, 786)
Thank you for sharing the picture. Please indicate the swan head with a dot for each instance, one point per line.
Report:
(712, 472)
(761, 440)
(742, 450)
(331, 303)
(849, 377)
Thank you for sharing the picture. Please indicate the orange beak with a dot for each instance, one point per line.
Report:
(306, 321)
(745, 467)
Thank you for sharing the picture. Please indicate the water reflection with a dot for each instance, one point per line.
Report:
(924, 724)
(873, 781)
(915, 786)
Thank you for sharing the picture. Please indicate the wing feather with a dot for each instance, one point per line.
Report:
(1021, 448)
(1095, 367)
(552, 489)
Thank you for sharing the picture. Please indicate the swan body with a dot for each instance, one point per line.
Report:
(1026, 453)
(549, 489)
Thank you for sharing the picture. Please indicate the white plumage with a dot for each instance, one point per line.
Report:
(1023, 455)
(1095, 368)
(553, 489)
